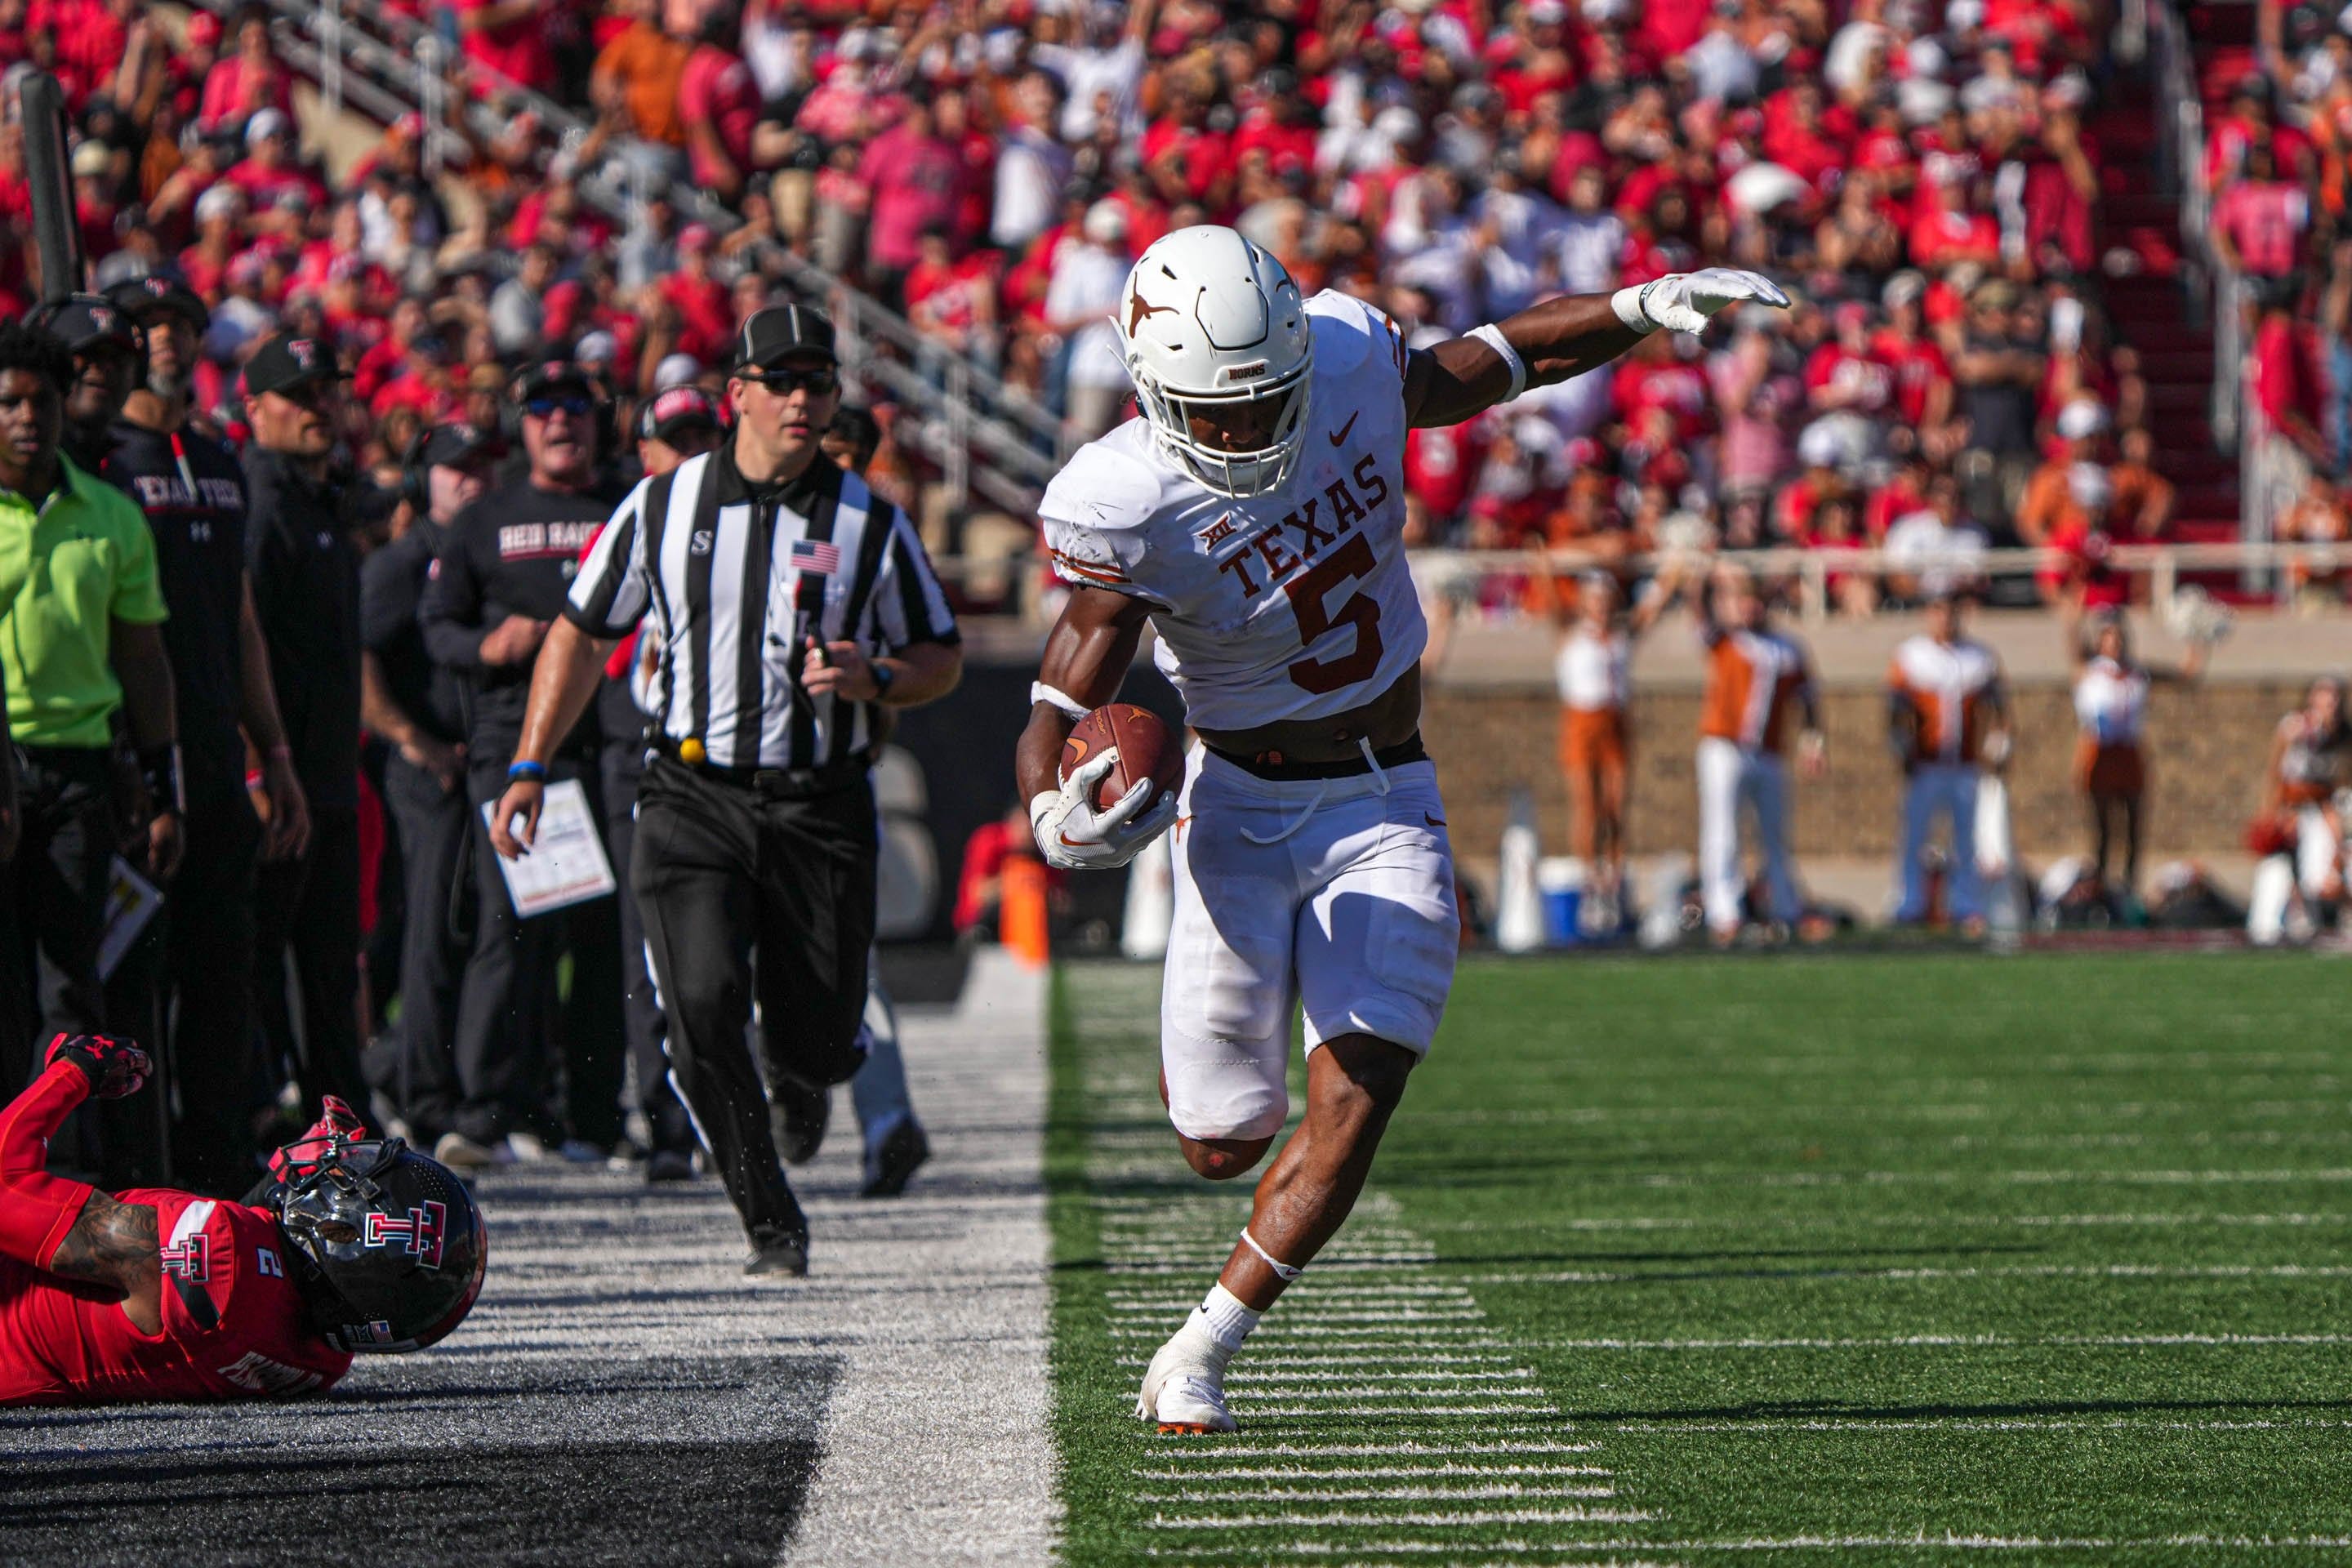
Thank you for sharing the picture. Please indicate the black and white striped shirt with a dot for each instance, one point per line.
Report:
(736, 579)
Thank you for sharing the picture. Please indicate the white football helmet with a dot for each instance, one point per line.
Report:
(1208, 322)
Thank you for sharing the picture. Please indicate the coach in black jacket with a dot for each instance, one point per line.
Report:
(504, 569)
(305, 564)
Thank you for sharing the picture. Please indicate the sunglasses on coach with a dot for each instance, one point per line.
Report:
(542, 407)
(784, 382)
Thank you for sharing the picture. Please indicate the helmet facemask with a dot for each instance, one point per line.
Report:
(1242, 474)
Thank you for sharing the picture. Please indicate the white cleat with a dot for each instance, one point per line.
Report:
(1183, 1391)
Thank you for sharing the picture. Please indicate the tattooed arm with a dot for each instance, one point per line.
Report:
(65, 1227)
(114, 1244)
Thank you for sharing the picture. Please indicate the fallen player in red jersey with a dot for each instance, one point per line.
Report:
(350, 1244)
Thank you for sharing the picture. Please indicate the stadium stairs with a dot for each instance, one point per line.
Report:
(2157, 306)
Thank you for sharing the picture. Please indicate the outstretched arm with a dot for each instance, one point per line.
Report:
(1463, 377)
(70, 1228)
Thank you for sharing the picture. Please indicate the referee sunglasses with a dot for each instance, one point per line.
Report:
(816, 381)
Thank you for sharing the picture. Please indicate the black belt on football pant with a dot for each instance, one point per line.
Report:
(1272, 765)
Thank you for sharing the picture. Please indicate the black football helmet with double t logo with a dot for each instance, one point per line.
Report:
(388, 1243)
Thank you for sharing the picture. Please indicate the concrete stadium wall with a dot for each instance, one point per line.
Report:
(2207, 748)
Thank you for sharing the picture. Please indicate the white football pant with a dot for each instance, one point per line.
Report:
(1333, 894)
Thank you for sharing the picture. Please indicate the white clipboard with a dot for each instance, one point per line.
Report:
(566, 864)
(131, 901)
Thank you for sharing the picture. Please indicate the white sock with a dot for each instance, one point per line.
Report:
(1223, 1318)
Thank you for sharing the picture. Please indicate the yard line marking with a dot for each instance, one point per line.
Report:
(1974, 1340)
(1196, 1453)
(1442, 1467)
(1473, 1491)
(1367, 1410)
(1259, 1369)
(1373, 1391)
(2019, 1271)
(1776, 1543)
(1765, 1424)
(1390, 1520)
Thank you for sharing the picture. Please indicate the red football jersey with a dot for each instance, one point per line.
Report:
(235, 1327)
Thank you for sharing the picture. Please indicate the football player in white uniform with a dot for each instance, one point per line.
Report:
(1255, 516)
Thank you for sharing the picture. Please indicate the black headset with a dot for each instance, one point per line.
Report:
(414, 486)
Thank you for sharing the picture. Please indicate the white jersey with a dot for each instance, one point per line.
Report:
(1297, 604)
(2111, 702)
(1594, 673)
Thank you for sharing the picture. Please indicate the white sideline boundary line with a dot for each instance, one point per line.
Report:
(914, 1470)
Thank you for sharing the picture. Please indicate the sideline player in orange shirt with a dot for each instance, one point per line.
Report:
(1947, 722)
(1756, 678)
(1593, 668)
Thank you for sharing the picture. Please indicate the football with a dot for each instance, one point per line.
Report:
(1146, 751)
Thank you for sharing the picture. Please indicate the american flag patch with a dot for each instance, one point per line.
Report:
(816, 557)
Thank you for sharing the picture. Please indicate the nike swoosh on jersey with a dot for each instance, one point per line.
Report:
(1341, 433)
(1432, 821)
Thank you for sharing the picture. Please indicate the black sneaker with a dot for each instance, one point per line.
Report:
(798, 1114)
(891, 1166)
(779, 1252)
(668, 1165)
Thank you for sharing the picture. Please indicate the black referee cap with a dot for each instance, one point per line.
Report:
(680, 408)
(141, 298)
(88, 322)
(455, 445)
(782, 332)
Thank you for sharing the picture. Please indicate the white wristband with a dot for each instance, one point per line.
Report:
(1041, 693)
(1492, 336)
(1627, 303)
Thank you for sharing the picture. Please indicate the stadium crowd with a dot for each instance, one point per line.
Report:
(1923, 174)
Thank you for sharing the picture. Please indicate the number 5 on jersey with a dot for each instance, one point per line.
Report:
(1310, 594)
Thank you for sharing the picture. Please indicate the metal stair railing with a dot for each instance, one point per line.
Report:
(985, 436)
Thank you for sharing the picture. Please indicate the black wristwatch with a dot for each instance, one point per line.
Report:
(884, 678)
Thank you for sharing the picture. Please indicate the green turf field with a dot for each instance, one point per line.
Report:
(1918, 1259)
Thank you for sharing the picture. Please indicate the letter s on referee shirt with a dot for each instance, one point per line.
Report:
(732, 601)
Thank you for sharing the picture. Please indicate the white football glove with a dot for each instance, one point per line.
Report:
(1073, 835)
(1686, 302)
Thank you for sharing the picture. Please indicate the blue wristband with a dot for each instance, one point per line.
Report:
(526, 771)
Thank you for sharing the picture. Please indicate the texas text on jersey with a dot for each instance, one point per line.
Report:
(1294, 604)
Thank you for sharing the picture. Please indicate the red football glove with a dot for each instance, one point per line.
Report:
(115, 1068)
(336, 1119)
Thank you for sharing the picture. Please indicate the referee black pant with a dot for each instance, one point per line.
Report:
(722, 869)
(622, 763)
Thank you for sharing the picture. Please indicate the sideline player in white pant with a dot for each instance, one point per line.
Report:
(1255, 516)
(1947, 722)
(1756, 676)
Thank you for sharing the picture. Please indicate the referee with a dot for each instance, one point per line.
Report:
(790, 602)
